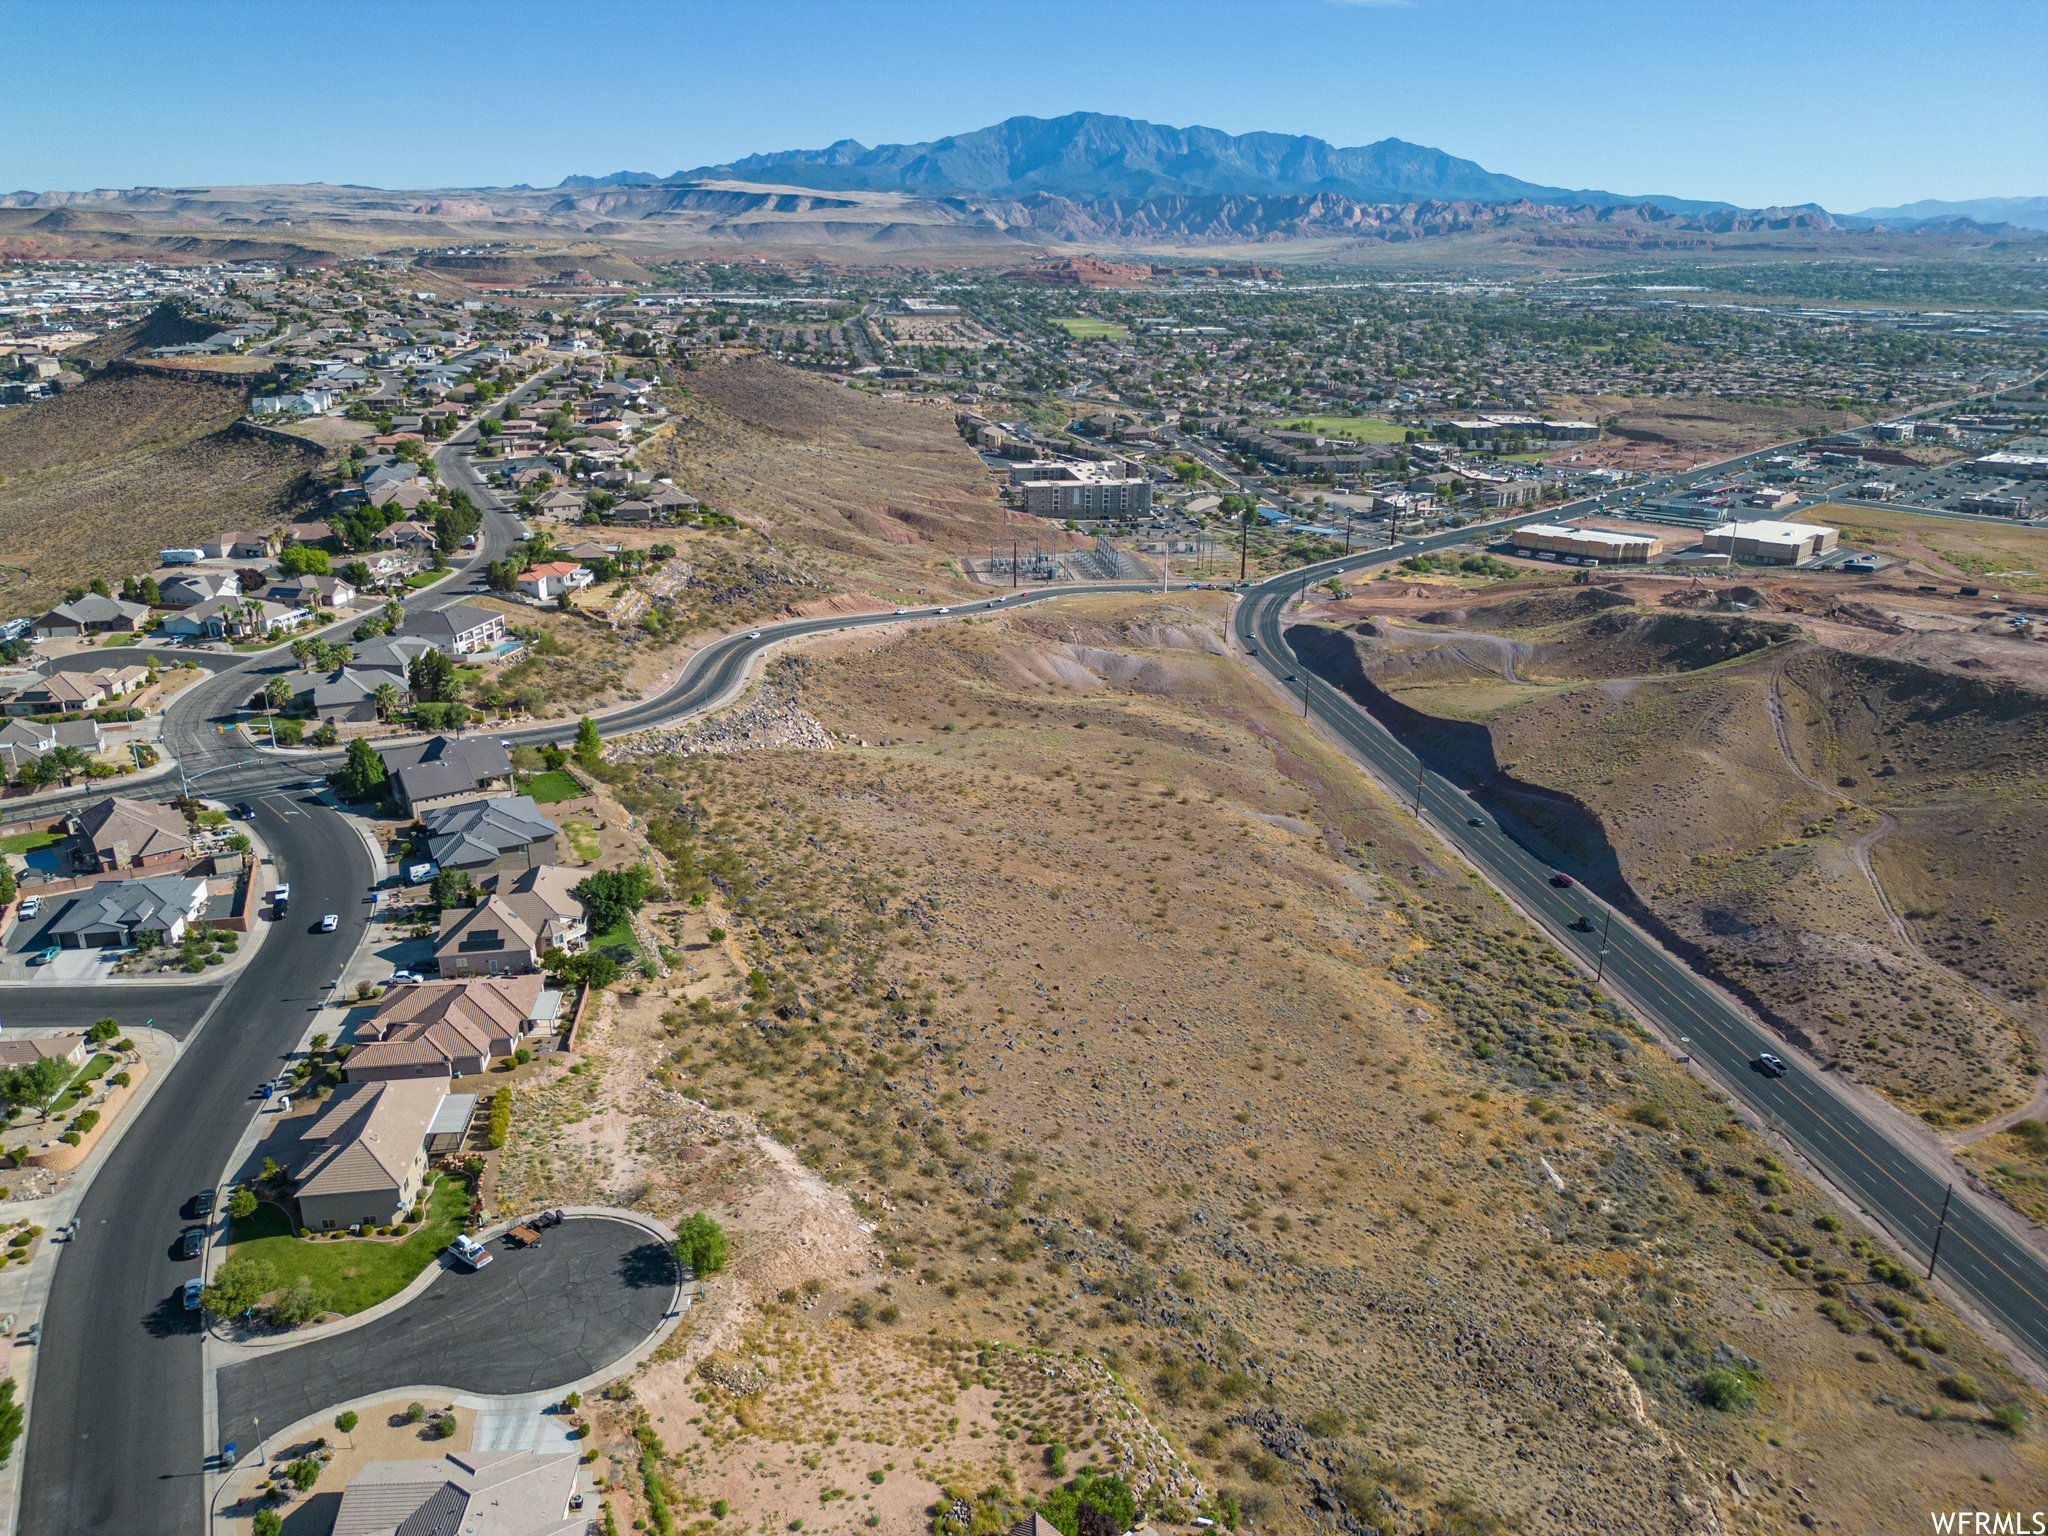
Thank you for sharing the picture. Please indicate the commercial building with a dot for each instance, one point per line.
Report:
(2020, 466)
(1995, 506)
(1559, 540)
(1770, 543)
(1081, 491)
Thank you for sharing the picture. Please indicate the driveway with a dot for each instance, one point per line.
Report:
(530, 1321)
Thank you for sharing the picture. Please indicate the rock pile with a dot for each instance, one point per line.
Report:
(770, 719)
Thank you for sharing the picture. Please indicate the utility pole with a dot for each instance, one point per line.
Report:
(1244, 544)
(1013, 565)
(1418, 784)
(1600, 974)
(1939, 1229)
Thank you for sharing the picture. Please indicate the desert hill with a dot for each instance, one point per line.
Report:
(105, 475)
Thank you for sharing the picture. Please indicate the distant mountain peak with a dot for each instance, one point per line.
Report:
(1094, 155)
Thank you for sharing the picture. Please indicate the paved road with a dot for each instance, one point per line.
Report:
(114, 1441)
(174, 1010)
(1997, 1271)
(530, 1321)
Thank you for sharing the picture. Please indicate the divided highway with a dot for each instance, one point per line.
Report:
(2000, 1274)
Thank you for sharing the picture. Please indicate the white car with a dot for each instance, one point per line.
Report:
(901, 611)
(405, 978)
(945, 610)
(753, 634)
(31, 905)
(329, 923)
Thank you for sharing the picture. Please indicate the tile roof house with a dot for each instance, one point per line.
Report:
(485, 940)
(443, 771)
(544, 897)
(460, 1025)
(129, 834)
(57, 694)
(192, 588)
(475, 1493)
(114, 913)
(458, 629)
(551, 578)
(26, 1053)
(506, 833)
(369, 1153)
(92, 615)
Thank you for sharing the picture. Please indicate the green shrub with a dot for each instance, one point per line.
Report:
(2034, 1133)
(700, 1243)
(70, 1138)
(1962, 1386)
(414, 1412)
(2010, 1417)
(501, 1117)
(1723, 1390)
(1651, 1115)
(267, 1522)
(303, 1473)
(85, 1122)
(120, 1079)
(346, 1421)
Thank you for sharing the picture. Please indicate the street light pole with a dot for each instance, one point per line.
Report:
(1600, 973)
(1947, 1195)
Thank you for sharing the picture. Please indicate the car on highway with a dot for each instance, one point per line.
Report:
(1771, 1065)
(1562, 880)
(31, 905)
(194, 1243)
(329, 923)
(901, 611)
(945, 610)
(190, 1293)
(753, 634)
(1475, 821)
(991, 602)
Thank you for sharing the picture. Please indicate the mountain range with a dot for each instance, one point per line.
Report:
(2025, 212)
(1091, 155)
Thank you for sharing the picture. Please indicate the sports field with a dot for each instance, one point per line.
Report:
(1364, 429)
(1089, 328)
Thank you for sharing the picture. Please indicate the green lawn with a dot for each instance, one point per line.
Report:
(348, 1274)
(29, 842)
(135, 639)
(582, 840)
(80, 1085)
(1087, 328)
(621, 935)
(420, 579)
(1364, 429)
(546, 788)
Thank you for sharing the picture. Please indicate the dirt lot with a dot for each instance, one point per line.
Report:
(1677, 435)
(101, 478)
(1097, 1010)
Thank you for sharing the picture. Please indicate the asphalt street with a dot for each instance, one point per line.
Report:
(173, 1009)
(529, 1321)
(114, 1435)
(1998, 1272)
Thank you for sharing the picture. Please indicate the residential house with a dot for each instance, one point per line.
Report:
(485, 940)
(476, 1493)
(26, 1053)
(310, 532)
(443, 771)
(128, 834)
(189, 589)
(670, 502)
(390, 472)
(506, 833)
(91, 614)
(408, 494)
(545, 898)
(462, 1025)
(226, 616)
(58, 694)
(115, 913)
(406, 535)
(347, 694)
(559, 502)
(459, 629)
(239, 546)
(118, 681)
(23, 741)
(589, 552)
(550, 579)
(313, 592)
(390, 653)
(368, 1157)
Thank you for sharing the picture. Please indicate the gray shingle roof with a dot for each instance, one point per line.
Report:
(460, 836)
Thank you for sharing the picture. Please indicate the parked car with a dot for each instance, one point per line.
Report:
(191, 1291)
(329, 923)
(203, 1205)
(195, 1242)
(45, 956)
(467, 1250)
(406, 978)
(31, 905)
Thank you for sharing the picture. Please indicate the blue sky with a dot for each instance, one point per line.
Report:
(1849, 105)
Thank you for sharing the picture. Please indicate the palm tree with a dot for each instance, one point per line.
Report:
(388, 699)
